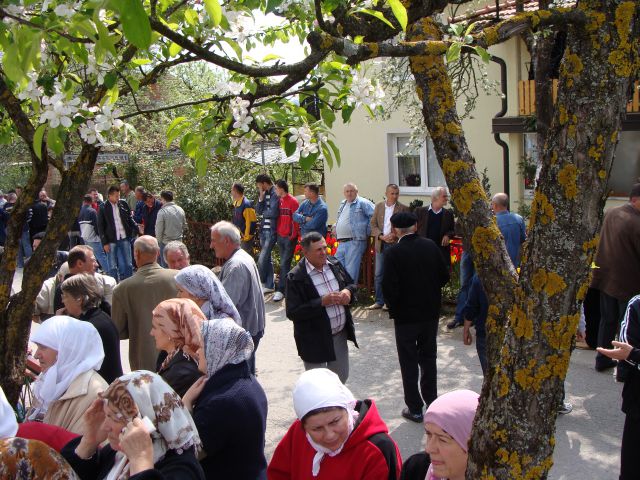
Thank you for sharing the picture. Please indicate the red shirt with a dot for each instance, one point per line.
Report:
(286, 226)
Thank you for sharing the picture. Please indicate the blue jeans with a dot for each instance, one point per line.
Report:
(24, 248)
(286, 246)
(349, 254)
(378, 276)
(466, 274)
(265, 265)
(101, 256)
(161, 257)
(120, 266)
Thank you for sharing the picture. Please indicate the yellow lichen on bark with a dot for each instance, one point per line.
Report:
(523, 376)
(522, 325)
(469, 193)
(491, 323)
(482, 240)
(453, 128)
(560, 333)
(451, 167)
(571, 67)
(582, 291)
(541, 209)
(550, 282)
(621, 57)
(602, 174)
(567, 177)
(596, 151)
(504, 384)
(491, 35)
(563, 117)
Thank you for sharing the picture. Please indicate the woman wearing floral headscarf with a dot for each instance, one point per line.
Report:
(335, 436)
(70, 353)
(448, 423)
(175, 326)
(229, 406)
(203, 287)
(21, 458)
(150, 434)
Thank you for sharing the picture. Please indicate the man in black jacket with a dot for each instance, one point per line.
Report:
(116, 227)
(414, 274)
(319, 291)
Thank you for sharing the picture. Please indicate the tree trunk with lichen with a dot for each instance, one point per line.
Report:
(533, 319)
(16, 311)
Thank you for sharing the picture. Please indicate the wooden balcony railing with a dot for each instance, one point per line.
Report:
(527, 97)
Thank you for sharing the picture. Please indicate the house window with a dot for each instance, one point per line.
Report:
(625, 171)
(414, 168)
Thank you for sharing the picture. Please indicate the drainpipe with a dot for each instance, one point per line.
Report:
(502, 113)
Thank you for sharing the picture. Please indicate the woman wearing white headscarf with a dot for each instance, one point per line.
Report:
(150, 434)
(229, 405)
(70, 353)
(202, 286)
(8, 423)
(335, 436)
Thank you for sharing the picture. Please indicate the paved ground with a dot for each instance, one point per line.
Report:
(587, 440)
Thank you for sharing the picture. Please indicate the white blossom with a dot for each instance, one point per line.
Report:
(363, 92)
(240, 112)
(300, 136)
(89, 133)
(99, 69)
(308, 148)
(108, 120)
(243, 123)
(32, 91)
(66, 10)
(243, 145)
(58, 110)
(15, 10)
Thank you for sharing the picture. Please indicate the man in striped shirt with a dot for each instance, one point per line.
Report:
(268, 208)
(319, 292)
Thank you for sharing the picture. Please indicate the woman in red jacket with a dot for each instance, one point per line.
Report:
(335, 436)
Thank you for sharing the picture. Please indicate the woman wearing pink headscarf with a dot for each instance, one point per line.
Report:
(448, 423)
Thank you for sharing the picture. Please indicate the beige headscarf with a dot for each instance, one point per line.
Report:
(181, 319)
(142, 394)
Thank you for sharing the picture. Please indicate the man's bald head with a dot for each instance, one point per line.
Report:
(146, 250)
(500, 202)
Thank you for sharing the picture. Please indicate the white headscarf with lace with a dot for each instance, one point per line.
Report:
(321, 388)
(202, 283)
(142, 394)
(79, 350)
(225, 343)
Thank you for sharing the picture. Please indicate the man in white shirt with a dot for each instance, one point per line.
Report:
(384, 234)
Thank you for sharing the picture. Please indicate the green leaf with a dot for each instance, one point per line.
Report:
(37, 140)
(307, 162)
(272, 5)
(336, 152)
(328, 116)
(456, 28)
(54, 140)
(174, 50)
(11, 64)
(358, 39)
(484, 55)
(375, 13)
(288, 147)
(135, 22)
(454, 52)
(234, 45)
(470, 28)
(399, 11)
(110, 80)
(201, 164)
(104, 41)
(346, 113)
(326, 152)
(191, 16)
(271, 56)
(141, 61)
(214, 11)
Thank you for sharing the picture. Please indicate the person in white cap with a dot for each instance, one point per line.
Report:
(335, 436)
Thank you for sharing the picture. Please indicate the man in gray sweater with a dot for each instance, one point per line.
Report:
(241, 280)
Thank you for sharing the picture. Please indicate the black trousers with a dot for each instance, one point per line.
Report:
(611, 314)
(417, 352)
(629, 459)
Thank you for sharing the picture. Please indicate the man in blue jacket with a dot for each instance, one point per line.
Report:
(352, 229)
(268, 207)
(312, 214)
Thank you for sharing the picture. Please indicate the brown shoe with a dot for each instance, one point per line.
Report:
(375, 306)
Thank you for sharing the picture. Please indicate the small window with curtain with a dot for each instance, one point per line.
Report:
(414, 168)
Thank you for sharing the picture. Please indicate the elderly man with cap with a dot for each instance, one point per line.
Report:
(414, 274)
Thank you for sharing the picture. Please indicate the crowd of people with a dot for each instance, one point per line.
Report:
(193, 407)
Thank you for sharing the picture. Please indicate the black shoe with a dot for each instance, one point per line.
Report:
(453, 324)
(414, 417)
(604, 363)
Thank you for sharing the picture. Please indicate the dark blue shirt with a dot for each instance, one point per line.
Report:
(477, 306)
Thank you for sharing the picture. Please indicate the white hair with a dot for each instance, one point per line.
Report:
(227, 230)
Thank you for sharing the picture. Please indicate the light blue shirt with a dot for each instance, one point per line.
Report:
(514, 232)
